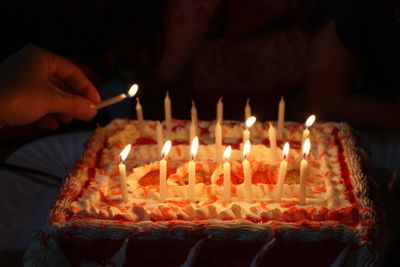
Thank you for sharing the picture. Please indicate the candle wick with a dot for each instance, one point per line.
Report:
(304, 155)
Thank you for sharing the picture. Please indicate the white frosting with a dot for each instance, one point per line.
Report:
(144, 213)
(325, 186)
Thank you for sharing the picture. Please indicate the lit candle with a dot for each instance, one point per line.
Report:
(247, 173)
(168, 116)
(139, 115)
(122, 172)
(193, 114)
(159, 137)
(220, 110)
(282, 173)
(132, 92)
(227, 174)
(192, 170)
(163, 170)
(304, 172)
(218, 141)
(247, 109)
(246, 133)
(306, 132)
(281, 118)
(272, 141)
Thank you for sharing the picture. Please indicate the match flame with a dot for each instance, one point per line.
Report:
(227, 153)
(306, 148)
(124, 153)
(310, 121)
(285, 151)
(194, 148)
(166, 148)
(246, 149)
(133, 90)
(250, 121)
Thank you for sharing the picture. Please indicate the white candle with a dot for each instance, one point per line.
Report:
(220, 110)
(132, 91)
(304, 172)
(246, 133)
(281, 118)
(282, 173)
(122, 172)
(247, 109)
(248, 185)
(193, 115)
(307, 125)
(159, 137)
(163, 170)
(192, 132)
(139, 115)
(218, 142)
(227, 174)
(272, 141)
(192, 170)
(168, 116)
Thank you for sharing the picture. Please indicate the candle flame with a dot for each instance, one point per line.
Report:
(248, 102)
(124, 153)
(250, 121)
(285, 151)
(227, 153)
(133, 90)
(306, 148)
(194, 148)
(246, 149)
(310, 121)
(193, 104)
(166, 148)
(270, 125)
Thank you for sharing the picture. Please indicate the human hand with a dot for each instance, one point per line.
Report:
(42, 87)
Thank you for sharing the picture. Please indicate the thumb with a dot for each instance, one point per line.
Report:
(73, 105)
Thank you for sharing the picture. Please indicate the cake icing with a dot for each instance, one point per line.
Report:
(325, 190)
(338, 204)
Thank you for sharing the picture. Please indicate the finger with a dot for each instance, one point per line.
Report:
(72, 105)
(63, 118)
(69, 73)
(48, 122)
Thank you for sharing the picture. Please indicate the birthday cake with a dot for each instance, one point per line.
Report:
(93, 222)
